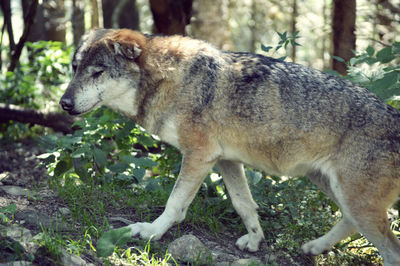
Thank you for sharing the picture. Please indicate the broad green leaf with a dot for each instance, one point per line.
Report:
(370, 51)
(100, 157)
(385, 55)
(254, 176)
(119, 167)
(61, 168)
(78, 153)
(109, 240)
(386, 82)
(141, 162)
(80, 170)
(139, 173)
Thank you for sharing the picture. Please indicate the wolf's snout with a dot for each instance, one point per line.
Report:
(67, 104)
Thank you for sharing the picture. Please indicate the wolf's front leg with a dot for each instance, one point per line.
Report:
(193, 171)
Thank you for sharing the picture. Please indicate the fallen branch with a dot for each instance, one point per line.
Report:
(56, 121)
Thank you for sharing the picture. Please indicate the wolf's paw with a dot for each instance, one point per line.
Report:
(145, 231)
(315, 247)
(248, 242)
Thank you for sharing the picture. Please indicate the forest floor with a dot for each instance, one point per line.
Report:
(39, 208)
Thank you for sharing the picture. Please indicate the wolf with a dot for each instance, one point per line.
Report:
(229, 109)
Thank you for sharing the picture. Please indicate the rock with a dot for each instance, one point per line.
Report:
(72, 259)
(22, 235)
(189, 248)
(246, 262)
(15, 191)
(35, 219)
(65, 211)
(16, 263)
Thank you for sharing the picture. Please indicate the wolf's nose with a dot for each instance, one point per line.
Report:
(66, 104)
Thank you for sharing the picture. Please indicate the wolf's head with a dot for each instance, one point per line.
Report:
(106, 71)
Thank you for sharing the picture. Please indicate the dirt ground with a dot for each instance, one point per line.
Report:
(18, 167)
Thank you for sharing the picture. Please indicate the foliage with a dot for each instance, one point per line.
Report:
(7, 212)
(109, 240)
(284, 42)
(102, 151)
(379, 71)
(36, 81)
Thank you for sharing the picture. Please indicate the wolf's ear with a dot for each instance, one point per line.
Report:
(128, 50)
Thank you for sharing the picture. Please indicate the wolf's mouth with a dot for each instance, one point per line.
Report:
(78, 113)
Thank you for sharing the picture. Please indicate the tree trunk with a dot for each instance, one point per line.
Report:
(78, 20)
(55, 19)
(38, 28)
(120, 14)
(171, 16)
(95, 14)
(58, 122)
(6, 9)
(211, 22)
(343, 37)
(28, 21)
(293, 27)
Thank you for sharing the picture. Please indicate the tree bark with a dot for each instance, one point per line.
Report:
(293, 27)
(55, 19)
(56, 121)
(343, 37)
(78, 20)
(171, 16)
(95, 14)
(6, 9)
(28, 21)
(211, 23)
(120, 14)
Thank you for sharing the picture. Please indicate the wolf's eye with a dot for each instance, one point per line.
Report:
(97, 74)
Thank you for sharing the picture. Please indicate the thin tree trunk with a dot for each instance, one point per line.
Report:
(28, 21)
(78, 20)
(343, 37)
(293, 27)
(6, 9)
(95, 14)
(55, 19)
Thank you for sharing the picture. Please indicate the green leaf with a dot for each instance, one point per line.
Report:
(253, 176)
(387, 81)
(78, 153)
(100, 157)
(396, 48)
(11, 209)
(337, 58)
(139, 173)
(139, 162)
(385, 55)
(109, 240)
(266, 48)
(61, 168)
(370, 51)
(80, 170)
(119, 167)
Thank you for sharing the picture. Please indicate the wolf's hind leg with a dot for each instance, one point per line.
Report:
(368, 213)
(340, 231)
(236, 183)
